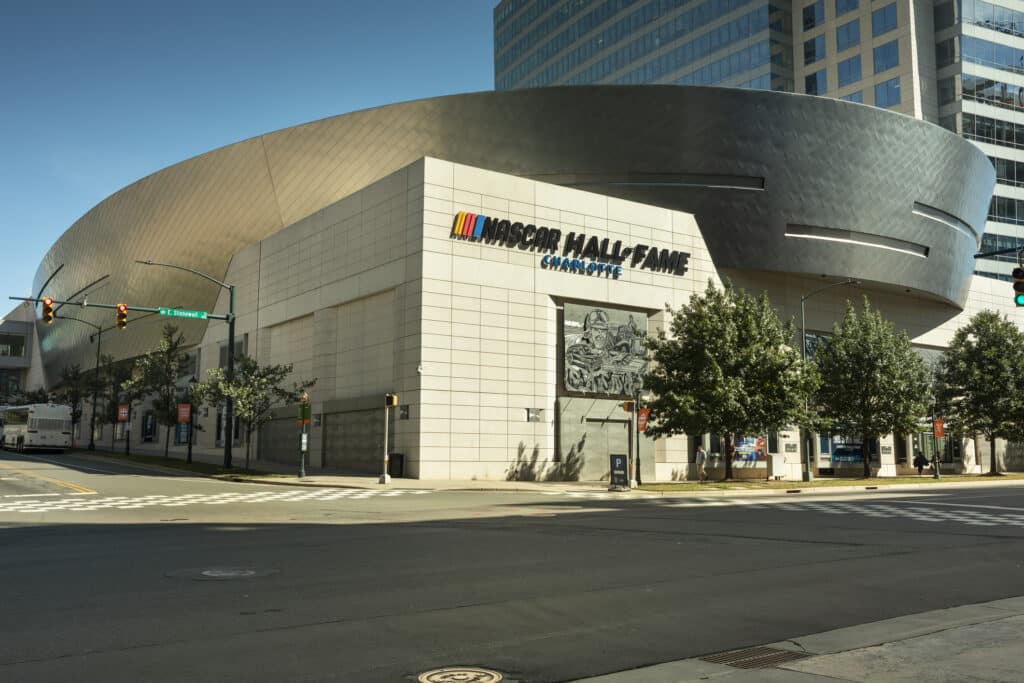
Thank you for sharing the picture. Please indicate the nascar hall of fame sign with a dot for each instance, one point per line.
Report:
(577, 253)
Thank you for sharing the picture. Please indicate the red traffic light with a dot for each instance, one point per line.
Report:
(47, 309)
(122, 308)
(122, 316)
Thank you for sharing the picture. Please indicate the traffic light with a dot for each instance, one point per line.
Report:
(48, 309)
(628, 406)
(122, 316)
(390, 400)
(1018, 286)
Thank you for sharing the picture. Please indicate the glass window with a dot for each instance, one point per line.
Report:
(848, 35)
(855, 97)
(883, 20)
(814, 49)
(944, 15)
(815, 83)
(887, 94)
(12, 345)
(887, 56)
(825, 443)
(945, 53)
(814, 15)
(849, 70)
(844, 6)
(773, 442)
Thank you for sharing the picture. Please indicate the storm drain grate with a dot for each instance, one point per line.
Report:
(754, 657)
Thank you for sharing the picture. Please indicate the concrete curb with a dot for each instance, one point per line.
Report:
(561, 487)
(851, 639)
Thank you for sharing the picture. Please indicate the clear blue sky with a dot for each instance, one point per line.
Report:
(97, 94)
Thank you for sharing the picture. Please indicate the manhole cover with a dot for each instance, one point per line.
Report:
(220, 573)
(460, 674)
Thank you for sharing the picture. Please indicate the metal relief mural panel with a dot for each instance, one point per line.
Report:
(603, 350)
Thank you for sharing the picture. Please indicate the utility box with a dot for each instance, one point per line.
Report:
(396, 465)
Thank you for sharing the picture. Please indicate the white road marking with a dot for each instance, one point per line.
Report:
(67, 503)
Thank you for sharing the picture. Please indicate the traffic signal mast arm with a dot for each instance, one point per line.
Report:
(85, 304)
(1017, 274)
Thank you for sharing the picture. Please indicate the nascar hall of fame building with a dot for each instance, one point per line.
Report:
(497, 260)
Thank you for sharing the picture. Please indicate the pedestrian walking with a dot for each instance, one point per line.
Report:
(920, 462)
(702, 461)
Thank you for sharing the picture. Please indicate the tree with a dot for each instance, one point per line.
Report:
(872, 382)
(160, 371)
(74, 385)
(34, 396)
(256, 390)
(728, 368)
(977, 380)
(132, 390)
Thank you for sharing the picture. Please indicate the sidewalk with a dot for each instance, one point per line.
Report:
(969, 643)
(264, 472)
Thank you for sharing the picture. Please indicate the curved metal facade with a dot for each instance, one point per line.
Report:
(778, 182)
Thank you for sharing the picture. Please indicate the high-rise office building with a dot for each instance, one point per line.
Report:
(741, 43)
(980, 63)
(958, 63)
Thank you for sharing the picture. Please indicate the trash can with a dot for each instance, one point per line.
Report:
(396, 464)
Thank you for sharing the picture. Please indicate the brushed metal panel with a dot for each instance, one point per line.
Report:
(824, 163)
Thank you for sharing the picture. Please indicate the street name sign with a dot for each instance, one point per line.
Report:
(183, 313)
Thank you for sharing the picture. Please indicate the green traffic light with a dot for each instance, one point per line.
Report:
(1019, 299)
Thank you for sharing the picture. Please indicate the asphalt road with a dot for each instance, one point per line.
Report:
(110, 572)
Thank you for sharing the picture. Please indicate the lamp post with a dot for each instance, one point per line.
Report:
(191, 418)
(229, 407)
(96, 376)
(808, 446)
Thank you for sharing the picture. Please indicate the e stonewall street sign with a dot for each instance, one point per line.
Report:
(183, 313)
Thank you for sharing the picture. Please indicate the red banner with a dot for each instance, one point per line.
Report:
(122, 413)
(939, 428)
(642, 416)
(184, 413)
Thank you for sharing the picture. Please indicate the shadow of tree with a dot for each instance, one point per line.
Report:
(528, 468)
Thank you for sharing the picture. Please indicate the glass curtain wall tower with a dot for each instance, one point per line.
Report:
(958, 63)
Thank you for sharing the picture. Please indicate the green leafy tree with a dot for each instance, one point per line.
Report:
(872, 382)
(33, 396)
(256, 390)
(132, 390)
(160, 371)
(74, 385)
(728, 367)
(978, 378)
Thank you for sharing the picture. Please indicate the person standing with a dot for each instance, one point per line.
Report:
(919, 461)
(702, 461)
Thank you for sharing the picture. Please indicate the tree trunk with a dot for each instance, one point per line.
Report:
(993, 468)
(728, 455)
(865, 448)
(167, 439)
(248, 444)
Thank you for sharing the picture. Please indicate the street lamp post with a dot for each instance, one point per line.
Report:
(229, 407)
(808, 446)
(96, 377)
(191, 417)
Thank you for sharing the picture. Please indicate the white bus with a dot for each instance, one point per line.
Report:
(42, 425)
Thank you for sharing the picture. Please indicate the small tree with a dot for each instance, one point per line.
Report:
(872, 382)
(160, 370)
(133, 390)
(978, 380)
(256, 391)
(73, 387)
(727, 368)
(35, 396)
